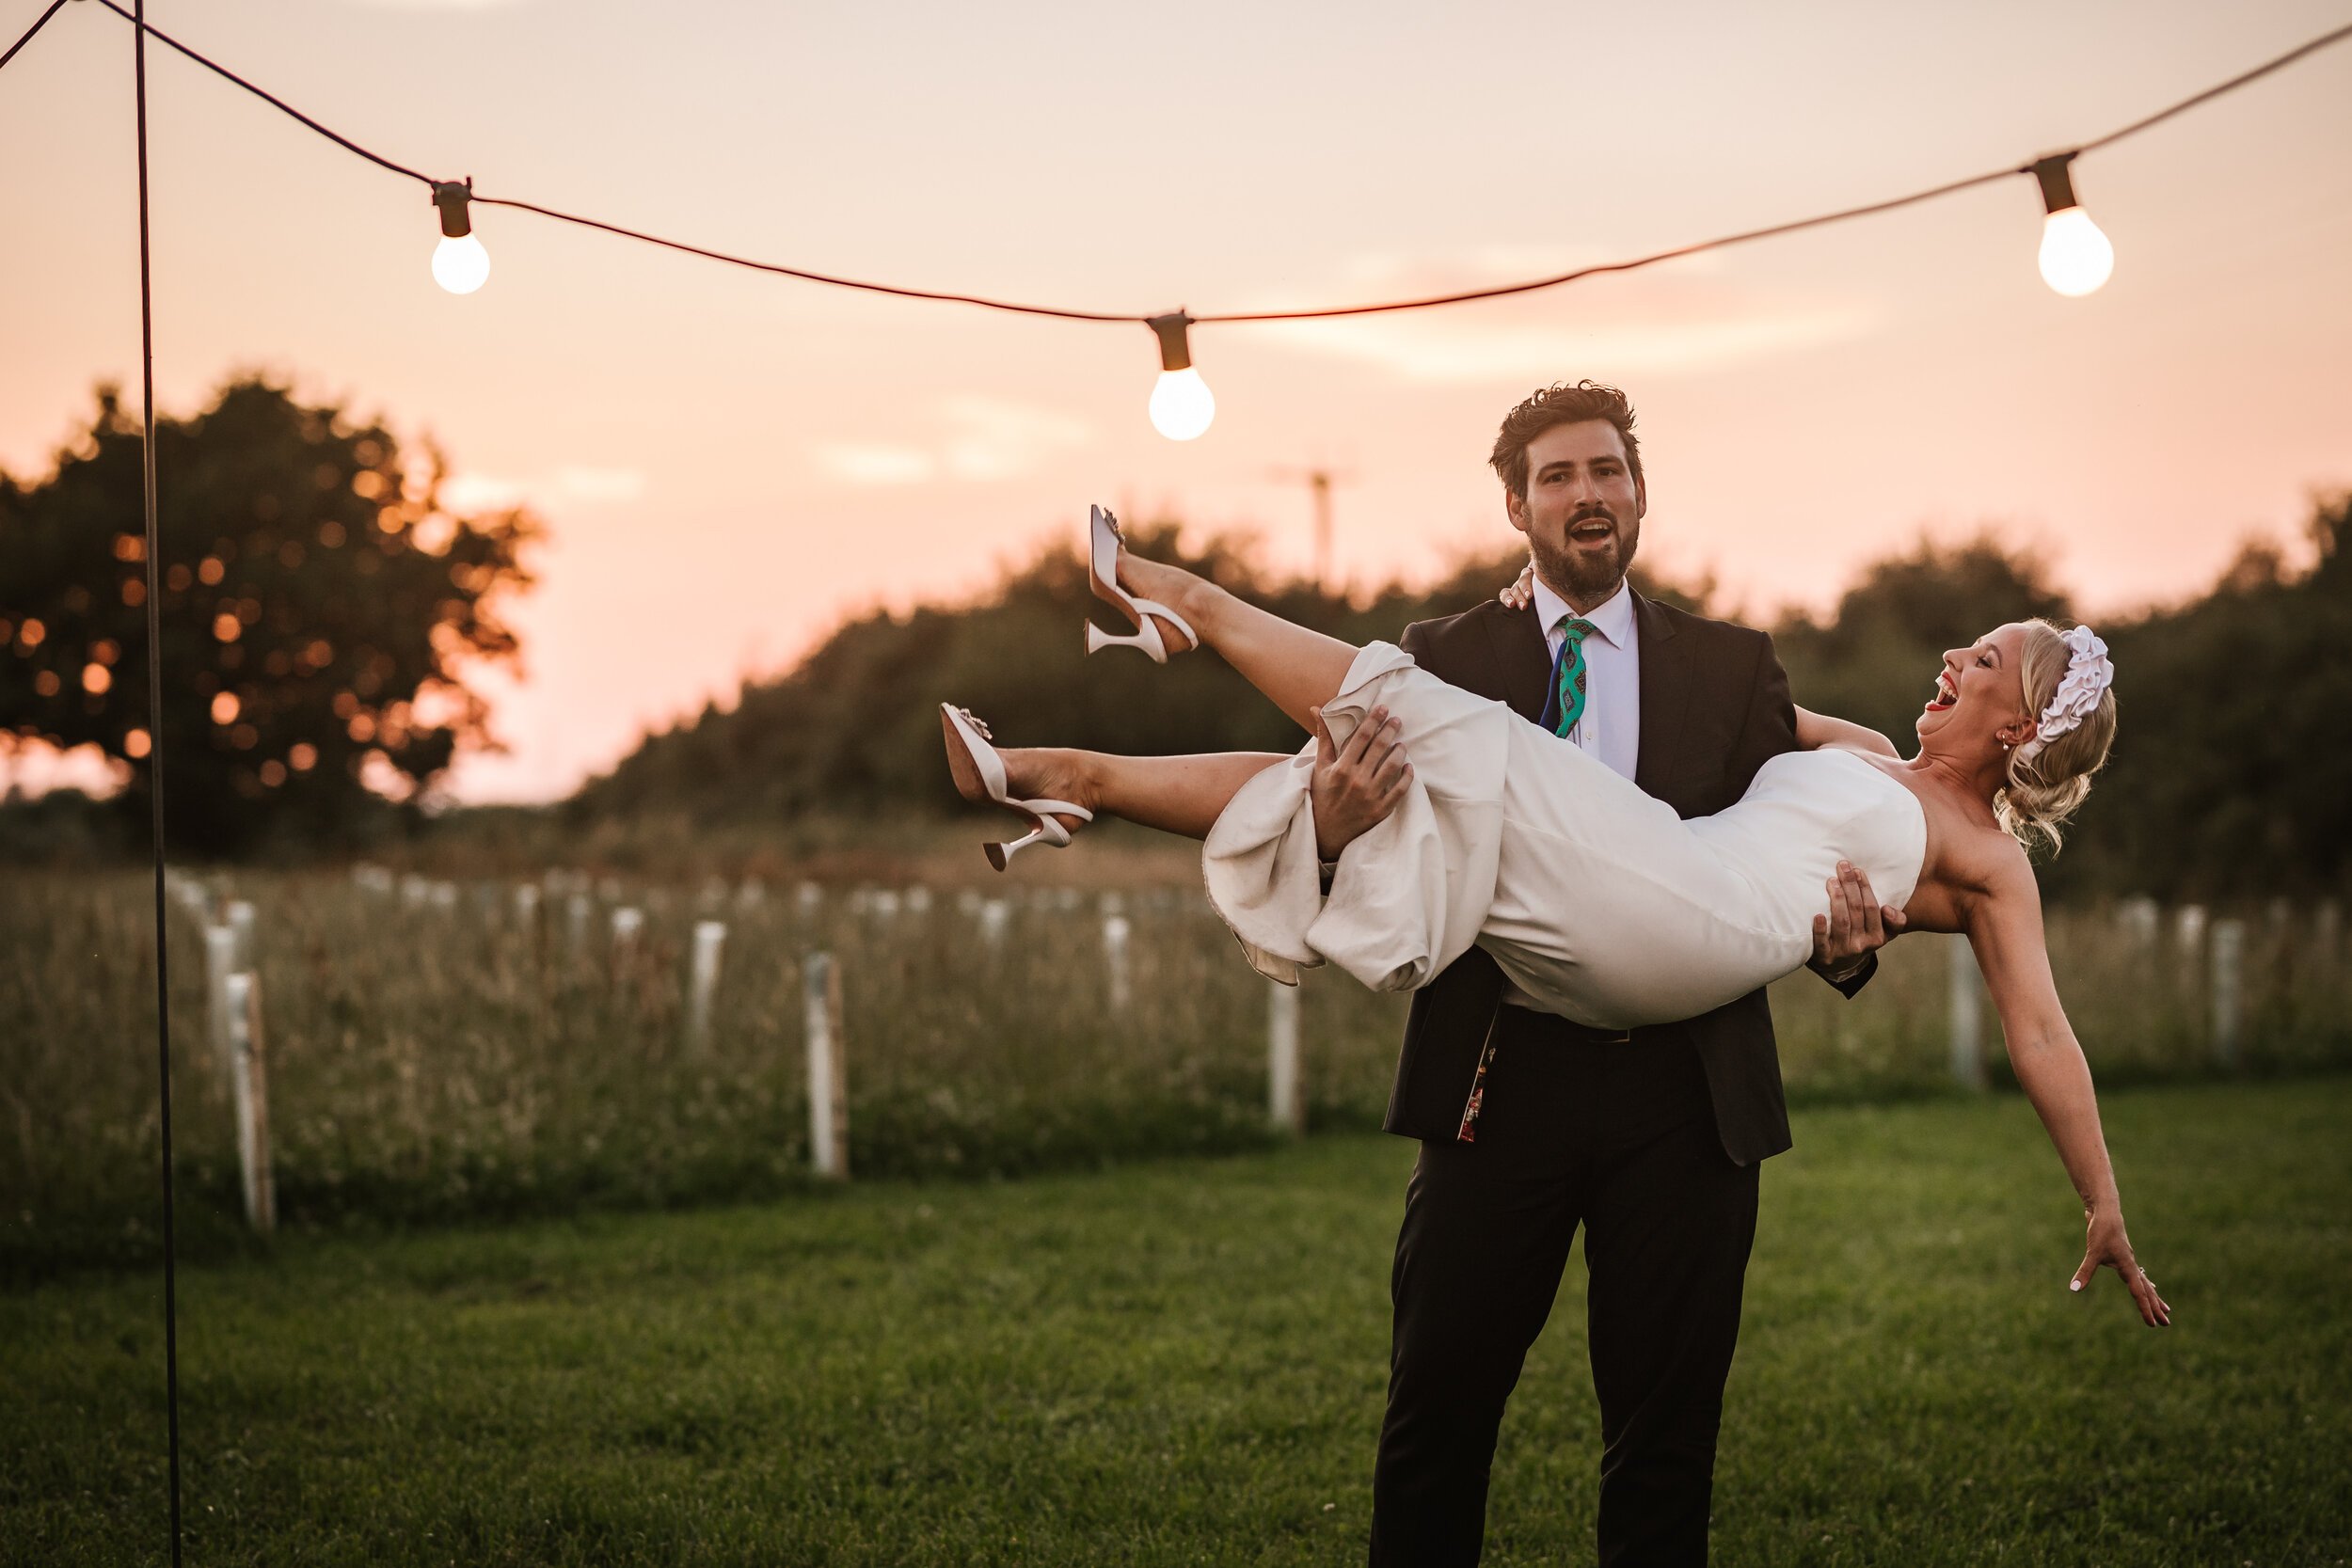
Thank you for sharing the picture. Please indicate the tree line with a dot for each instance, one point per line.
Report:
(321, 607)
(2232, 775)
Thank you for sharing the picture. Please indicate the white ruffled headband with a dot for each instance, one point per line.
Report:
(2088, 674)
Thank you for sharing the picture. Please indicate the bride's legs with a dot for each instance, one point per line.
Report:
(1300, 669)
(1178, 795)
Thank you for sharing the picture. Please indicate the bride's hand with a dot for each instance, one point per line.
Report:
(1522, 591)
(2109, 1247)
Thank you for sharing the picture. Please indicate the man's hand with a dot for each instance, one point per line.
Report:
(1856, 926)
(1521, 593)
(1355, 787)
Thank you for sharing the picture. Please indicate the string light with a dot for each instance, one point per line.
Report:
(1181, 404)
(459, 262)
(2075, 257)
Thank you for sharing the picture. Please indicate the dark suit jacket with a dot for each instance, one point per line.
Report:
(1714, 706)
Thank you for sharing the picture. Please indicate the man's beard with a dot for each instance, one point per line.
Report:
(1589, 575)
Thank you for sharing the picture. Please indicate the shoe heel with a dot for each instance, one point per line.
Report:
(1000, 853)
(979, 774)
(1098, 639)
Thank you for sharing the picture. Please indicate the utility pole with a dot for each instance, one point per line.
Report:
(1319, 480)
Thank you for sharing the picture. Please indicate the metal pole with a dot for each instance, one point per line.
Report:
(220, 961)
(1115, 934)
(1967, 1016)
(711, 938)
(828, 1105)
(155, 766)
(2228, 954)
(1284, 1107)
(250, 1082)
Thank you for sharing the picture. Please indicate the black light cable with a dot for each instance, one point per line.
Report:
(439, 187)
(155, 780)
(2076, 257)
(53, 7)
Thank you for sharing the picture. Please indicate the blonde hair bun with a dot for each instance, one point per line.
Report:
(2049, 776)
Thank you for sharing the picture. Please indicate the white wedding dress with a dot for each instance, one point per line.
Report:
(1596, 899)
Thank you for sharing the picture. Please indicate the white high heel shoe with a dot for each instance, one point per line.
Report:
(979, 775)
(1103, 547)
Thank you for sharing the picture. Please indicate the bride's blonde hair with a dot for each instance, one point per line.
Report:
(2047, 784)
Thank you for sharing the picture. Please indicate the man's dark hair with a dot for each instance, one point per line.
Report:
(1561, 404)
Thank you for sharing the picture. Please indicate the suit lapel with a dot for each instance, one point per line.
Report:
(1665, 696)
(1525, 660)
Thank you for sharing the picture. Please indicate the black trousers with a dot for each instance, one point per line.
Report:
(1619, 1138)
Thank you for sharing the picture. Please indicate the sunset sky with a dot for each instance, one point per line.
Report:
(731, 462)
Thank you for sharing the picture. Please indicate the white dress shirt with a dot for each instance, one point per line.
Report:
(1611, 725)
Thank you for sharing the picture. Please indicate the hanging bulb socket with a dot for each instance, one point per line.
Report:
(450, 197)
(2057, 183)
(2076, 257)
(459, 262)
(1175, 347)
(1181, 404)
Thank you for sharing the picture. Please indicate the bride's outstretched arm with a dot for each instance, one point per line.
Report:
(2005, 929)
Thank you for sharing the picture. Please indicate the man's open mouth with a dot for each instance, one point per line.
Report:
(1592, 529)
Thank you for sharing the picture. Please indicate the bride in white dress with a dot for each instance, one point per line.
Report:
(1503, 829)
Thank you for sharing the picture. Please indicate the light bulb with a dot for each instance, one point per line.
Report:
(459, 262)
(1181, 404)
(2075, 257)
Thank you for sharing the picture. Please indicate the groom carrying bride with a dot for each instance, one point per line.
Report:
(1624, 1078)
(1531, 1125)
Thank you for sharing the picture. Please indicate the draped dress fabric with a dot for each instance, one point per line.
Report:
(1596, 899)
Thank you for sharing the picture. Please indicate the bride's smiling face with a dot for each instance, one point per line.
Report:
(1979, 703)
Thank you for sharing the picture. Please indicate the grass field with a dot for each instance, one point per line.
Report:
(1183, 1362)
(441, 1050)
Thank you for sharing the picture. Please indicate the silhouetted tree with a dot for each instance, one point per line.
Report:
(317, 601)
(2233, 767)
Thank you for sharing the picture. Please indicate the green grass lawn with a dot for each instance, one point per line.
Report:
(1183, 1362)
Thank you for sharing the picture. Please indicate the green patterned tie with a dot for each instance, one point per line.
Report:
(1569, 676)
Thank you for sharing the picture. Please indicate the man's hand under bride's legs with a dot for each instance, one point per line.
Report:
(1356, 787)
